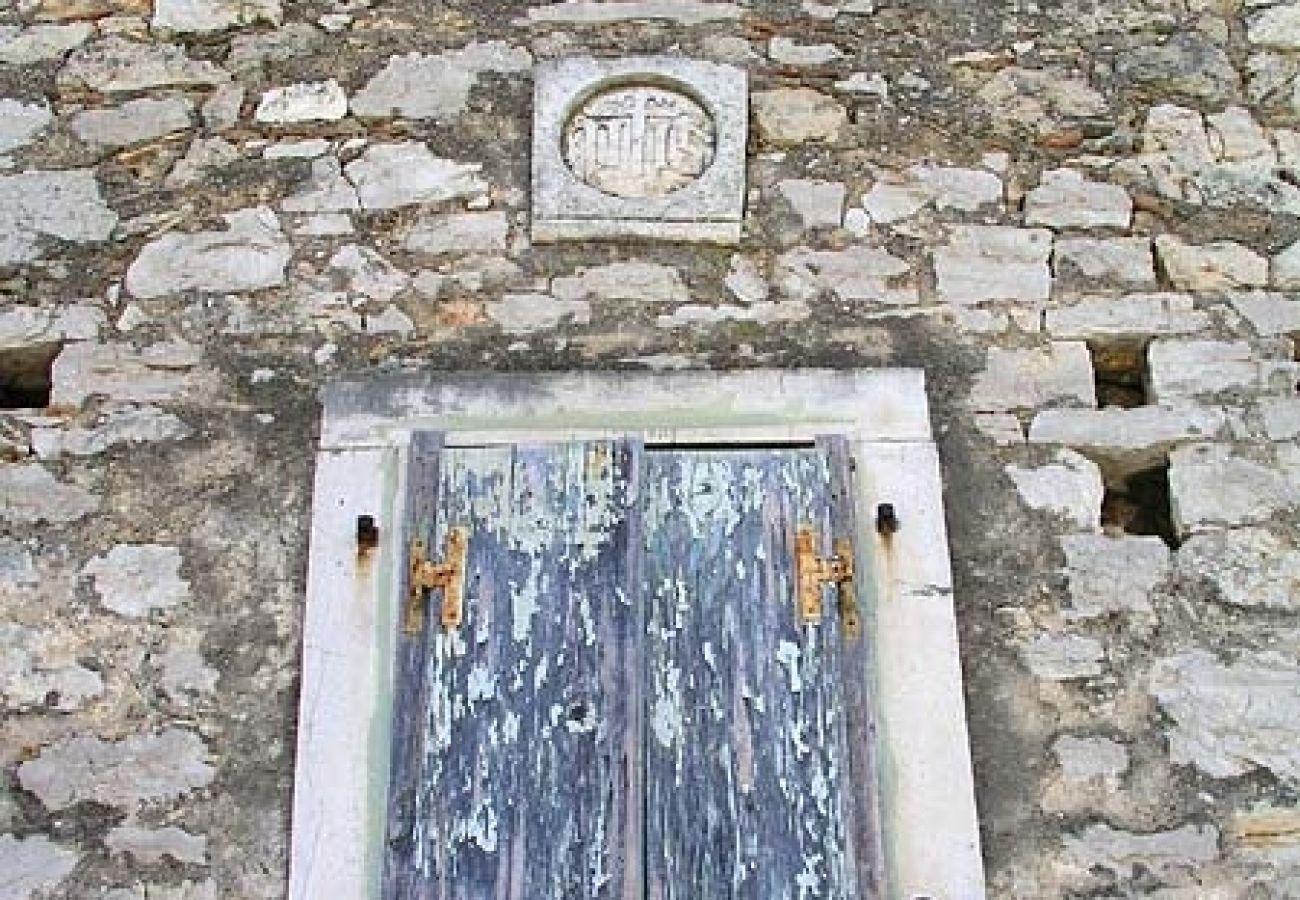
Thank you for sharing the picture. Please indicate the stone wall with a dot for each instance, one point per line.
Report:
(1079, 218)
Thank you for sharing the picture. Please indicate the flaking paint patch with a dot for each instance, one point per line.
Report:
(525, 602)
(666, 720)
(789, 654)
(482, 683)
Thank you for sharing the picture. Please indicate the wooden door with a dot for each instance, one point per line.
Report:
(517, 749)
(632, 707)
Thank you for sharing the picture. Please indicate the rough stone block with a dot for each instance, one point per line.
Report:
(1134, 315)
(115, 64)
(597, 12)
(134, 579)
(1059, 374)
(1065, 199)
(204, 16)
(120, 372)
(33, 864)
(631, 281)
(39, 671)
(1162, 854)
(1081, 263)
(950, 187)
(790, 116)
(1064, 657)
(1113, 574)
(38, 43)
(123, 774)
(25, 326)
(855, 275)
(20, 122)
(1232, 718)
(586, 187)
(1138, 436)
(1084, 759)
(1251, 567)
(327, 190)
(818, 204)
(388, 176)
(133, 122)
(472, 232)
(1070, 487)
(419, 86)
(1269, 314)
(65, 204)
(526, 313)
(318, 101)
(251, 254)
(983, 263)
(1220, 266)
(1281, 417)
(1210, 486)
(29, 494)
(1184, 369)
(152, 845)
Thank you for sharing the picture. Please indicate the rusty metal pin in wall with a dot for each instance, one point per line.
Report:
(886, 520)
(367, 535)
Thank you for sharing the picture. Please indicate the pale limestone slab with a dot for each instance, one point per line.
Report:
(140, 768)
(1218, 266)
(1251, 567)
(117, 64)
(133, 122)
(20, 123)
(1231, 718)
(418, 86)
(1113, 574)
(1065, 199)
(1123, 853)
(1064, 657)
(32, 864)
(983, 263)
(250, 254)
(790, 116)
(317, 101)
(1136, 436)
(597, 12)
(41, 42)
(29, 494)
(1133, 315)
(205, 16)
(1070, 487)
(388, 176)
(591, 178)
(1026, 378)
(152, 845)
(1104, 262)
(1210, 486)
(134, 579)
(64, 204)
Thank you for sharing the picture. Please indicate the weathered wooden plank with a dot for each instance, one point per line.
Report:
(745, 751)
(531, 764)
(410, 693)
(862, 785)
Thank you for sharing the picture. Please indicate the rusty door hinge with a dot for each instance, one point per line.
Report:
(813, 572)
(447, 576)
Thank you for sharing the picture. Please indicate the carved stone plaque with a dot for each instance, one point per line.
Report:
(649, 147)
(639, 141)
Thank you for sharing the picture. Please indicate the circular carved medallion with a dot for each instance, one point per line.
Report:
(639, 141)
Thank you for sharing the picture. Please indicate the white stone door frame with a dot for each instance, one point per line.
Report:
(928, 817)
